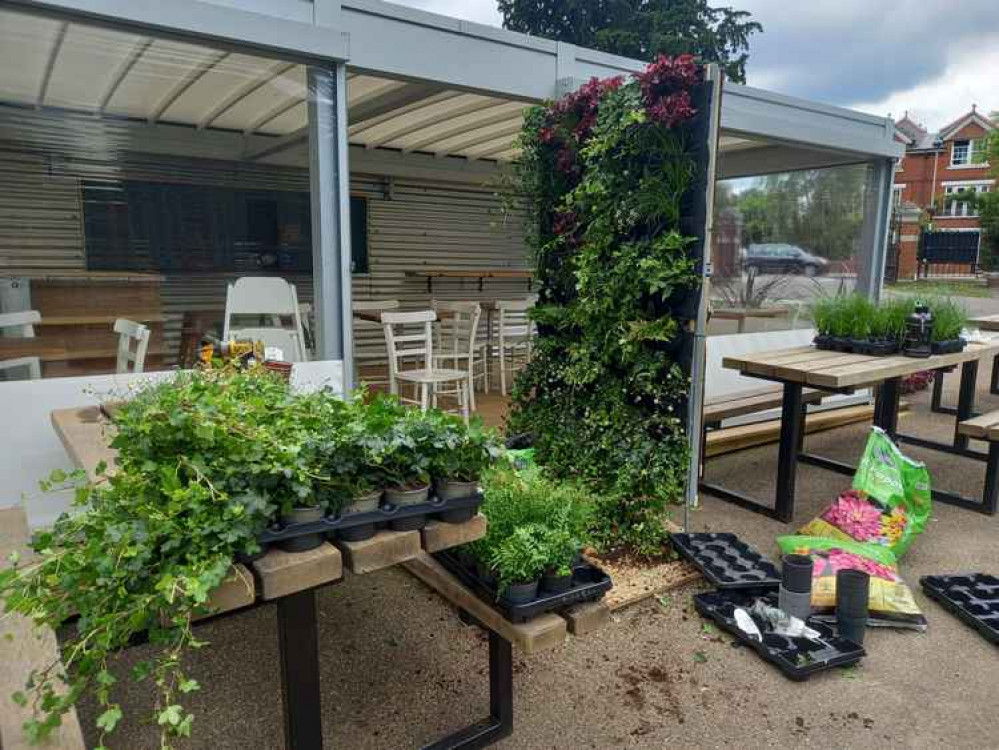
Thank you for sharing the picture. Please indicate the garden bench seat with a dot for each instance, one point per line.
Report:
(986, 427)
(741, 403)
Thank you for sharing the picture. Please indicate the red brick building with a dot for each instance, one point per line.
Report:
(936, 165)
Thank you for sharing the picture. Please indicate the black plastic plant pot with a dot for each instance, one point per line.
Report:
(971, 597)
(852, 593)
(824, 342)
(552, 583)
(685, 303)
(796, 573)
(403, 496)
(521, 593)
(462, 515)
(451, 489)
(357, 533)
(410, 523)
(949, 347)
(304, 542)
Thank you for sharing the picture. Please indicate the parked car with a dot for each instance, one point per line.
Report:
(781, 258)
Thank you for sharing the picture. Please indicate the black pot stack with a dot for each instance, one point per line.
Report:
(795, 595)
(852, 599)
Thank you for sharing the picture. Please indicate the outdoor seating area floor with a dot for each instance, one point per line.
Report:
(399, 670)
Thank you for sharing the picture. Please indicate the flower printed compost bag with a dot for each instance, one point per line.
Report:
(888, 505)
(891, 601)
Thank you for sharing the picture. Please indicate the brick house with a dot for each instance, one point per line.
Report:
(936, 165)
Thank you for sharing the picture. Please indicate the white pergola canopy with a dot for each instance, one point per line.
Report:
(48, 63)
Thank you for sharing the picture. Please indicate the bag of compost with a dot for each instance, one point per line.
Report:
(888, 505)
(891, 601)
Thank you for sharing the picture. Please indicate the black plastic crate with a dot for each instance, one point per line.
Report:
(971, 597)
(589, 583)
(727, 561)
(383, 517)
(797, 658)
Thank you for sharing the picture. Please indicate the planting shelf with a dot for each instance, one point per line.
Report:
(727, 561)
(797, 658)
(971, 597)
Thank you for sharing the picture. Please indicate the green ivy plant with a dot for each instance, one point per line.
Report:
(608, 173)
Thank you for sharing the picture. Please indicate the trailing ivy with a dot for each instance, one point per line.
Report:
(608, 172)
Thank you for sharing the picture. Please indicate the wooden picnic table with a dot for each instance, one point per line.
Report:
(985, 322)
(15, 348)
(837, 372)
(290, 580)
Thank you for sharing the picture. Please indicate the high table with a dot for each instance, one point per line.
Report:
(290, 580)
(983, 323)
(836, 372)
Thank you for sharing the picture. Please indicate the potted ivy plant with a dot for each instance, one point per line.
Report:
(519, 561)
(457, 466)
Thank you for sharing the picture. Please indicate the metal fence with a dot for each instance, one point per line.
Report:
(944, 253)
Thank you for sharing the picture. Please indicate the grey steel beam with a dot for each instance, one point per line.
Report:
(330, 214)
(193, 76)
(477, 139)
(274, 27)
(276, 71)
(414, 108)
(778, 158)
(385, 102)
(876, 228)
(43, 89)
(273, 113)
(123, 70)
(453, 132)
(279, 144)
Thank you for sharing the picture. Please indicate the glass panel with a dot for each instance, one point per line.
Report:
(783, 240)
(142, 177)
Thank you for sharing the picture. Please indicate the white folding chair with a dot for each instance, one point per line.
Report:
(425, 377)
(458, 343)
(369, 353)
(265, 298)
(129, 332)
(516, 334)
(23, 326)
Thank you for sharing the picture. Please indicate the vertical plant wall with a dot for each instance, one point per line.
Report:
(614, 174)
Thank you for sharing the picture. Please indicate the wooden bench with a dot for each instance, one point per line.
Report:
(986, 427)
(758, 400)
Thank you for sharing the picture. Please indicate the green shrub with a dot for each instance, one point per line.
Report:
(521, 557)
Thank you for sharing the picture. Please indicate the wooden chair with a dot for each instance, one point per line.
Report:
(365, 355)
(425, 377)
(129, 332)
(516, 336)
(458, 343)
(265, 299)
(23, 326)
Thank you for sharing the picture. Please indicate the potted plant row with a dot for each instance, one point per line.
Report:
(852, 323)
(530, 560)
(383, 463)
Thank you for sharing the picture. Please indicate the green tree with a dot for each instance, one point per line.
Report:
(641, 28)
(988, 209)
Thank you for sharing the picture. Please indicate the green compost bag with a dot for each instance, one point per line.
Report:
(888, 505)
(891, 602)
(521, 458)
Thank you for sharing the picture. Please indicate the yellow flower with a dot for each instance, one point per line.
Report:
(893, 525)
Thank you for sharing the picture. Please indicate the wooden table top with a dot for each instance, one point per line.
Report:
(825, 369)
(486, 273)
(15, 348)
(985, 322)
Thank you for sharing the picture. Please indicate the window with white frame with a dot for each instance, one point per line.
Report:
(960, 153)
(962, 208)
(896, 195)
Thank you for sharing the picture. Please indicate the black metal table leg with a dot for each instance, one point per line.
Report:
(298, 636)
(936, 403)
(886, 406)
(990, 496)
(965, 400)
(994, 383)
(790, 447)
(500, 722)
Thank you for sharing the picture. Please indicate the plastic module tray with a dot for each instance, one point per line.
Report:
(727, 561)
(797, 658)
(589, 583)
(971, 597)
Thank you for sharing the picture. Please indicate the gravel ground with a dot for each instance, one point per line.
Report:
(399, 670)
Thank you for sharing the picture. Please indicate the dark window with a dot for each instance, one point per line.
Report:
(142, 226)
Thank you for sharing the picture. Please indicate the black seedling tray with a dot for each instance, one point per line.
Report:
(589, 583)
(797, 658)
(380, 518)
(971, 597)
(727, 561)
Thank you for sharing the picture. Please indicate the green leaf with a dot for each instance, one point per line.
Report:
(108, 720)
(700, 657)
(20, 699)
(170, 716)
(189, 686)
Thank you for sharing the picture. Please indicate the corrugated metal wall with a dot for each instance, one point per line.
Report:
(412, 226)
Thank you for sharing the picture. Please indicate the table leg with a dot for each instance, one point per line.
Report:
(298, 636)
(790, 447)
(886, 406)
(936, 403)
(965, 400)
(500, 722)
(994, 384)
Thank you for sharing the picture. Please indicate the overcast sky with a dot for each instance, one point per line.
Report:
(934, 58)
